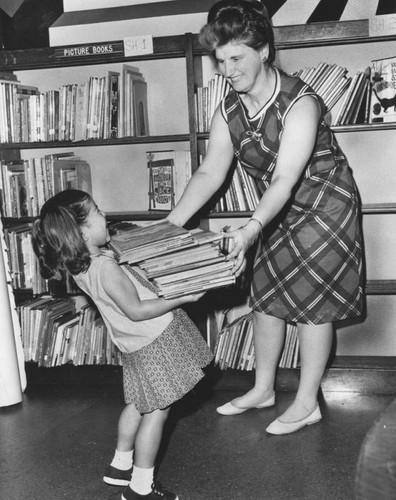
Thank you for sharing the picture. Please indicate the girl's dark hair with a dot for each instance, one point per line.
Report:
(238, 21)
(56, 235)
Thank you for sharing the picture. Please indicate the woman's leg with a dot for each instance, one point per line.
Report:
(315, 346)
(148, 438)
(269, 336)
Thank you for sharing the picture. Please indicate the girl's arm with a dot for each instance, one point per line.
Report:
(123, 292)
(210, 175)
(297, 143)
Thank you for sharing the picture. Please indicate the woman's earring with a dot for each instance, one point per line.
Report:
(264, 59)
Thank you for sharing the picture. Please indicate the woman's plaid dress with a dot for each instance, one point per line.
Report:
(308, 266)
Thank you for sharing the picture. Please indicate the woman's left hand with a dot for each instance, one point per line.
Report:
(240, 242)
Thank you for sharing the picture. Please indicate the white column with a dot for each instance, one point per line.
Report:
(12, 373)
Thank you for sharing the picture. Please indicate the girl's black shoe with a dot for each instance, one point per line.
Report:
(157, 493)
(117, 477)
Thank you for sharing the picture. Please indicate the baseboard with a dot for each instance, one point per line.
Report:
(370, 375)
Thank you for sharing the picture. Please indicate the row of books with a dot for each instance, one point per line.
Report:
(25, 185)
(56, 331)
(23, 264)
(368, 97)
(109, 106)
(235, 347)
(207, 98)
(371, 96)
(328, 80)
(178, 262)
(242, 193)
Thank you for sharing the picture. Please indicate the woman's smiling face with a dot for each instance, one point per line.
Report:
(240, 64)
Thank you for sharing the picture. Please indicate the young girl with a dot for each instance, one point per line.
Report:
(162, 351)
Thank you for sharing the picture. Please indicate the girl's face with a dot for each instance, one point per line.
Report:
(240, 64)
(95, 229)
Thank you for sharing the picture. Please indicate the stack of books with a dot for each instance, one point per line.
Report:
(178, 262)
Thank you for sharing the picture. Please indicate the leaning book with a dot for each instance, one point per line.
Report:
(383, 90)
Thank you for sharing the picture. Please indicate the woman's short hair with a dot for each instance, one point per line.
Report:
(238, 21)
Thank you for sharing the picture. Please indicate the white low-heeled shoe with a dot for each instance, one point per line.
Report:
(278, 427)
(230, 409)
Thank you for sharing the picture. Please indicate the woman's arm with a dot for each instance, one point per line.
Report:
(123, 292)
(210, 175)
(297, 143)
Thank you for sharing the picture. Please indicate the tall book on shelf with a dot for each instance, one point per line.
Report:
(383, 90)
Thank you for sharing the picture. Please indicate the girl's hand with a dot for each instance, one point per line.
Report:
(194, 297)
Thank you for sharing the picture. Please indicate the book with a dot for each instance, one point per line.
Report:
(383, 90)
(169, 173)
(161, 180)
(141, 243)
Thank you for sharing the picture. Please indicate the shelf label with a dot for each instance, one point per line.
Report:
(382, 25)
(96, 49)
(138, 45)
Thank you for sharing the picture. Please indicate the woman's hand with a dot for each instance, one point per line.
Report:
(241, 240)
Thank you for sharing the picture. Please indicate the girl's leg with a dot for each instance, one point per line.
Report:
(148, 438)
(269, 336)
(315, 347)
(128, 425)
(119, 471)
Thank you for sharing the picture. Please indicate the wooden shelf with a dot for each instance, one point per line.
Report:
(287, 37)
(361, 127)
(319, 34)
(149, 139)
(51, 57)
(374, 208)
(369, 208)
(380, 287)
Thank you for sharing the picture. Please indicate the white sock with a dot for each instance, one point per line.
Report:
(142, 480)
(122, 460)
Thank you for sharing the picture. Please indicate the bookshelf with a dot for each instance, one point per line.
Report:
(173, 71)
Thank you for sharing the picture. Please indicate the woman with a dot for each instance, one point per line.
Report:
(308, 263)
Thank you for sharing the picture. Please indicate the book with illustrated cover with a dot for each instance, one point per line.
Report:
(161, 182)
(383, 90)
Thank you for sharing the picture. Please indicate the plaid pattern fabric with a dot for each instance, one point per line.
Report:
(308, 266)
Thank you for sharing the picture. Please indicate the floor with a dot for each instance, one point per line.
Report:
(56, 444)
